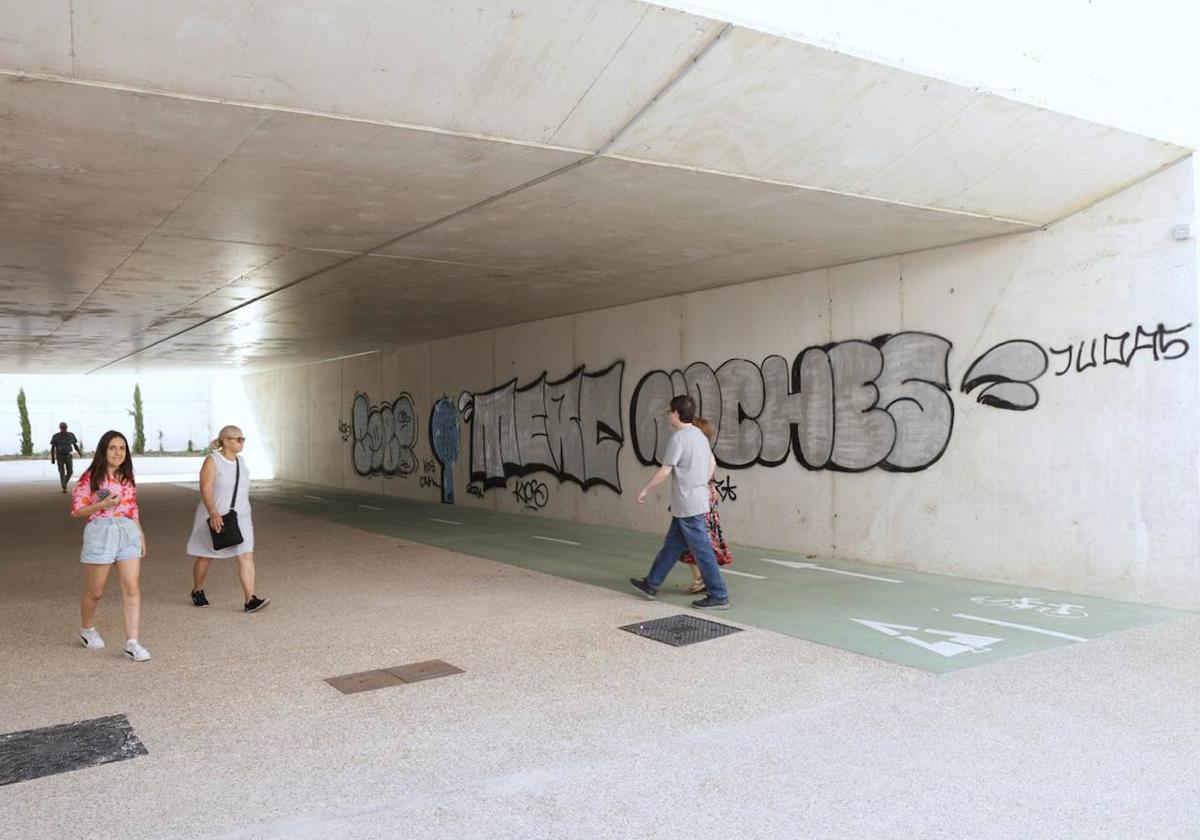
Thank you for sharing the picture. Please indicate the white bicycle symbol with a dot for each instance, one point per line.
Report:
(1043, 607)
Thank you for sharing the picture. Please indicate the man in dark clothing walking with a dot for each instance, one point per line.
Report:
(60, 452)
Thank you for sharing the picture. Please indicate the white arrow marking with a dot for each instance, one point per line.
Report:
(552, 539)
(956, 644)
(742, 574)
(370, 507)
(314, 498)
(792, 564)
(1021, 627)
(444, 521)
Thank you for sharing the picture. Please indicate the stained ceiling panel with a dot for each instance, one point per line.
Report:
(628, 218)
(318, 183)
(266, 184)
(769, 108)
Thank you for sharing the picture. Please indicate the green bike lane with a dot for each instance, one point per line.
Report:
(934, 623)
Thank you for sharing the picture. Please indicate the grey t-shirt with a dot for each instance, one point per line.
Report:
(62, 442)
(688, 452)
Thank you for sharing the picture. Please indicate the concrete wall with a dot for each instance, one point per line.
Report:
(1051, 472)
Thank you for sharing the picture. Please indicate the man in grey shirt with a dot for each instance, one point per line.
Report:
(690, 464)
(60, 453)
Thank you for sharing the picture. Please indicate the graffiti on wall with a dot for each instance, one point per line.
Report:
(726, 489)
(444, 433)
(384, 436)
(1121, 349)
(531, 493)
(847, 406)
(570, 428)
(1008, 371)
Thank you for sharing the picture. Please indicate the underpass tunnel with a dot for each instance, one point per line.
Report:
(443, 269)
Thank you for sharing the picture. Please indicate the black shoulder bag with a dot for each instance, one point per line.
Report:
(230, 534)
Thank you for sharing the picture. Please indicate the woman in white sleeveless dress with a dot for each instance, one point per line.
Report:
(222, 469)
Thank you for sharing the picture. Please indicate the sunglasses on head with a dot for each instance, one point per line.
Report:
(239, 439)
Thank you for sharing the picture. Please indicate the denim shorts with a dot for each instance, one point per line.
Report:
(109, 539)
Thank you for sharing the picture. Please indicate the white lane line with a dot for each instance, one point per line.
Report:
(792, 564)
(314, 498)
(444, 521)
(1020, 627)
(370, 507)
(742, 574)
(553, 539)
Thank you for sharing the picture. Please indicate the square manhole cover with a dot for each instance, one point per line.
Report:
(34, 753)
(390, 677)
(428, 670)
(679, 630)
(364, 681)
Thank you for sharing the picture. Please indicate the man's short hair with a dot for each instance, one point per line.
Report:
(685, 407)
(62, 426)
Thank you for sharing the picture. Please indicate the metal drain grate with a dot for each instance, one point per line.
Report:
(33, 753)
(679, 630)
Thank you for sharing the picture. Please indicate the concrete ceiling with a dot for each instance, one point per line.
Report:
(258, 184)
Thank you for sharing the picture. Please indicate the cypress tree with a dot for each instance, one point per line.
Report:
(26, 432)
(139, 428)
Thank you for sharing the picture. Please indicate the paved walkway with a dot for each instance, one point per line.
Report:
(562, 725)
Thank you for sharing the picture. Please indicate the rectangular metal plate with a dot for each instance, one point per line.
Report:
(33, 753)
(679, 630)
(364, 681)
(428, 670)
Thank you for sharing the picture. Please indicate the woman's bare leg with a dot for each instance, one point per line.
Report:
(200, 571)
(128, 573)
(245, 564)
(95, 576)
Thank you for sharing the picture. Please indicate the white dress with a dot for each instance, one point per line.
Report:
(200, 542)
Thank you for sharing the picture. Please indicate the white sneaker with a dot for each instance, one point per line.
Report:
(91, 639)
(135, 651)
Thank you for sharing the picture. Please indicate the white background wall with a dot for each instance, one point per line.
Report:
(177, 404)
(1095, 490)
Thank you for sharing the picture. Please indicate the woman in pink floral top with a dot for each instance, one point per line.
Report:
(106, 496)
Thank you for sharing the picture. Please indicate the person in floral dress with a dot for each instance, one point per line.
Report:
(106, 497)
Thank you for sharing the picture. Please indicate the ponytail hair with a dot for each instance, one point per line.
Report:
(225, 430)
(703, 425)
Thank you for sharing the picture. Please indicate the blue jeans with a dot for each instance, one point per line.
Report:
(688, 532)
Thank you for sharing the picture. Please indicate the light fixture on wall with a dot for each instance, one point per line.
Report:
(1182, 232)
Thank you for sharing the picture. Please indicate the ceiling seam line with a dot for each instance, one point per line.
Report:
(947, 211)
(1016, 154)
(683, 70)
(1141, 179)
(600, 73)
(149, 234)
(924, 139)
(287, 250)
(21, 75)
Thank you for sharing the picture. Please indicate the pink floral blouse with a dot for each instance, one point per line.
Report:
(83, 496)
